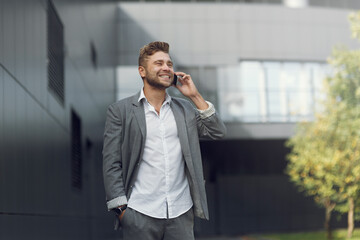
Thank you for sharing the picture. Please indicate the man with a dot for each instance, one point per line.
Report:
(152, 165)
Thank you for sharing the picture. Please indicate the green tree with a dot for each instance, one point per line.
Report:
(344, 90)
(311, 163)
(325, 157)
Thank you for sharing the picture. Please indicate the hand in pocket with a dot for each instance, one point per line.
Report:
(122, 215)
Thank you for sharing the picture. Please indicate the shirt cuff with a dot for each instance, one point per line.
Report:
(116, 202)
(207, 112)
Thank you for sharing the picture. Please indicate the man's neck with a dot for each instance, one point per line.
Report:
(155, 97)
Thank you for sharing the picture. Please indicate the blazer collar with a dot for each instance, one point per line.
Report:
(139, 113)
(135, 99)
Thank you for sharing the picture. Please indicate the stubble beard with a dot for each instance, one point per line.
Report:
(152, 81)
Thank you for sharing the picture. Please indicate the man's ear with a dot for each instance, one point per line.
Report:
(142, 71)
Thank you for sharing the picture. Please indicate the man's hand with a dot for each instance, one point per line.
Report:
(121, 215)
(188, 89)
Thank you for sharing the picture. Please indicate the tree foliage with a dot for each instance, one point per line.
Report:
(325, 159)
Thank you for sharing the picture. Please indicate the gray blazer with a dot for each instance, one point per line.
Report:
(124, 141)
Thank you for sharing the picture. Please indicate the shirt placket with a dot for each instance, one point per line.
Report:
(166, 157)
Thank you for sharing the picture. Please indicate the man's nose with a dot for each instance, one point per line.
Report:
(165, 67)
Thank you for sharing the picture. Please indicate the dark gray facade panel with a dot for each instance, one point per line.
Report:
(9, 34)
(319, 3)
(35, 227)
(262, 203)
(42, 59)
(248, 191)
(19, 148)
(37, 58)
(1, 31)
(29, 50)
(9, 146)
(2, 156)
(28, 155)
(35, 163)
(38, 64)
(355, 4)
(19, 19)
(338, 4)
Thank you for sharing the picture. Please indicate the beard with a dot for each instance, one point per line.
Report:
(154, 82)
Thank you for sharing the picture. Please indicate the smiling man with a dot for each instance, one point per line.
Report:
(152, 164)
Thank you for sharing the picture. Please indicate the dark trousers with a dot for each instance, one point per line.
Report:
(137, 226)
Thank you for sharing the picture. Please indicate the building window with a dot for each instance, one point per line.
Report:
(55, 53)
(76, 151)
(270, 91)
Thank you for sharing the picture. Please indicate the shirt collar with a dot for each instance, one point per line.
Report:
(142, 96)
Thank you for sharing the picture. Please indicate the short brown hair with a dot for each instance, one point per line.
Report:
(150, 49)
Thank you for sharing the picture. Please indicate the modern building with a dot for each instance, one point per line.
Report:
(62, 62)
(57, 77)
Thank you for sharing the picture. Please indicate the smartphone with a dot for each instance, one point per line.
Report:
(175, 80)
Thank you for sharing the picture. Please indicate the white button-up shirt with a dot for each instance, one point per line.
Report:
(161, 189)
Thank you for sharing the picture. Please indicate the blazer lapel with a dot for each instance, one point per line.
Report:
(139, 113)
(183, 136)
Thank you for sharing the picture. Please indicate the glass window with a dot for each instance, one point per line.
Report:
(291, 76)
(276, 103)
(228, 78)
(273, 74)
(251, 74)
(270, 91)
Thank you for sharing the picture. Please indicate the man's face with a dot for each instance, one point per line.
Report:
(158, 72)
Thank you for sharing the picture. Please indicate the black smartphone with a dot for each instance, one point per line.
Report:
(175, 80)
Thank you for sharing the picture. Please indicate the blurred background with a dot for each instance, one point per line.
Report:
(62, 62)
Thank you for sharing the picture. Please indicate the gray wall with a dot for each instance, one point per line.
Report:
(37, 200)
(221, 34)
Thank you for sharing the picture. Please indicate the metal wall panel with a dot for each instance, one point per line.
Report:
(10, 144)
(1, 31)
(259, 203)
(355, 4)
(9, 34)
(42, 52)
(39, 23)
(27, 164)
(2, 145)
(249, 192)
(42, 227)
(29, 44)
(19, 148)
(19, 13)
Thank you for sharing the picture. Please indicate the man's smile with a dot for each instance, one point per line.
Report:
(165, 76)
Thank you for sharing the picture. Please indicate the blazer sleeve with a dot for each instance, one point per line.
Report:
(112, 162)
(209, 124)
